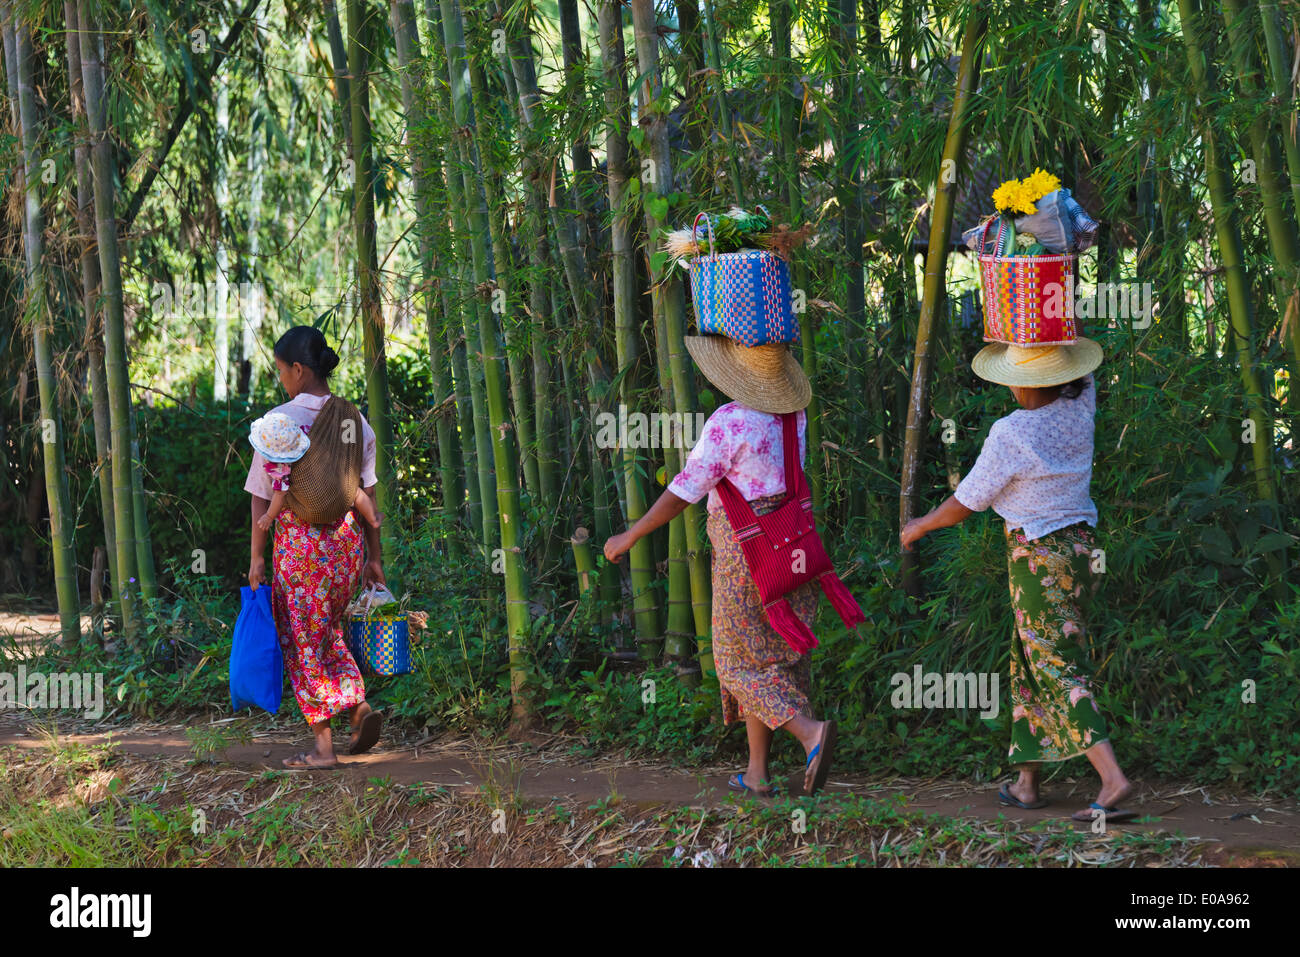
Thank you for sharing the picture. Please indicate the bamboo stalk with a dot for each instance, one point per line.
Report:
(627, 342)
(39, 321)
(730, 144)
(670, 302)
(94, 343)
(788, 167)
(431, 214)
(1279, 68)
(1226, 230)
(361, 16)
(103, 167)
(1279, 216)
(504, 452)
(471, 405)
(506, 305)
(936, 262)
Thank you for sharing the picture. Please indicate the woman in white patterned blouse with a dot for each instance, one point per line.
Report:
(1034, 471)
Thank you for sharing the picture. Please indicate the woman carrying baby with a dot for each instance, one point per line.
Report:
(315, 567)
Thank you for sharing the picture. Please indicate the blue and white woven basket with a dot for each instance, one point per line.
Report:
(381, 644)
(743, 295)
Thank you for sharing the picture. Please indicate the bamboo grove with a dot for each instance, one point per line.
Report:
(483, 184)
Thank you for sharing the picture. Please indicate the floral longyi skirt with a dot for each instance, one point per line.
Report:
(758, 672)
(1053, 713)
(315, 570)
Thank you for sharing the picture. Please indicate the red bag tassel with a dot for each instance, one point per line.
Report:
(841, 600)
(791, 627)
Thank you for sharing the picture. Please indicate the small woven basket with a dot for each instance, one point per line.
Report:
(743, 295)
(381, 644)
(1028, 300)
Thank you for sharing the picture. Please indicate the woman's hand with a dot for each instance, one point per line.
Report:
(950, 513)
(618, 546)
(372, 573)
(912, 533)
(256, 572)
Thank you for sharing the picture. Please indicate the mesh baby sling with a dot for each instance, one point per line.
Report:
(783, 550)
(323, 483)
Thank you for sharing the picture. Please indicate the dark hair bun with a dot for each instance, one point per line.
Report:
(306, 345)
(328, 360)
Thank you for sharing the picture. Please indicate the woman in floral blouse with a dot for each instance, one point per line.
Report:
(1034, 471)
(762, 679)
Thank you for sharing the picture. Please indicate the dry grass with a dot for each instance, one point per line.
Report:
(93, 806)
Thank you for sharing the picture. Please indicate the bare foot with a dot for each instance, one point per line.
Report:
(1025, 795)
(1111, 795)
(310, 759)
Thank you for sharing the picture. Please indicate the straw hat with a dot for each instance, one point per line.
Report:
(767, 377)
(278, 438)
(1036, 366)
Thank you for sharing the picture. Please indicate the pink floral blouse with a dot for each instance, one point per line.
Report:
(742, 445)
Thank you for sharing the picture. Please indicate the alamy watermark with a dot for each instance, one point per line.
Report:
(1109, 300)
(178, 300)
(648, 430)
(932, 689)
(67, 691)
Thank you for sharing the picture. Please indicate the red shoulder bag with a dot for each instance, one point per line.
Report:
(783, 550)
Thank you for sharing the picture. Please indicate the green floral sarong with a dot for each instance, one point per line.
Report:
(1053, 713)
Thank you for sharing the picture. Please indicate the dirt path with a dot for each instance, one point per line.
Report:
(1245, 830)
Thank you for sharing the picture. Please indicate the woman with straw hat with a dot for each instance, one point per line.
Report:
(762, 678)
(1034, 471)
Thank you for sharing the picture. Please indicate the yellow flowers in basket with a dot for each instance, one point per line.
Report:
(1019, 196)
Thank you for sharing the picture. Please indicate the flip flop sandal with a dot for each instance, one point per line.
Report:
(737, 783)
(302, 764)
(1113, 814)
(367, 733)
(821, 754)
(1010, 800)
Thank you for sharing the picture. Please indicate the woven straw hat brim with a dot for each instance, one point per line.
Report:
(1037, 366)
(767, 378)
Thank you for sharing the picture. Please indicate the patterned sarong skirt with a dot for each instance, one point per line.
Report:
(1053, 713)
(315, 570)
(758, 672)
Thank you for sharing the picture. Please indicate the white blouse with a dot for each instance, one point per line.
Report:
(1036, 465)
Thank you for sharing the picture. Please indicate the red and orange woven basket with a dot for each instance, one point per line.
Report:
(1028, 300)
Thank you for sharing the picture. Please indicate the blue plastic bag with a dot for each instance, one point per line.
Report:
(256, 664)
